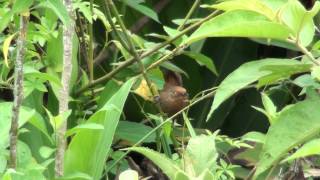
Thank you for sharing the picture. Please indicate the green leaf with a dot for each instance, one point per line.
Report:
(21, 6)
(78, 128)
(143, 9)
(243, 76)
(180, 175)
(203, 60)
(173, 67)
(295, 125)
(58, 8)
(249, 5)
(201, 158)
(167, 165)
(89, 148)
(270, 108)
(299, 20)
(240, 23)
(46, 152)
(254, 137)
(172, 33)
(4, 21)
(133, 132)
(5, 48)
(310, 148)
(18, 7)
(279, 72)
(315, 73)
(5, 120)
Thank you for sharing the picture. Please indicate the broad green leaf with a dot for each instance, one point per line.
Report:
(280, 72)
(5, 48)
(46, 151)
(133, 132)
(275, 5)
(243, 76)
(254, 137)
(240, 23)
(203, 60)
(110, 88)
(310, 148)
(201, 158)
(21, 6)
(58, 8)
(88, 149)
(299, 20)
(206, 175)
(167, 165)
(5, 120)
(4, 21)
(315, 73)
(295, 125)
(78, 128)
(180, 175)
(305, 81)
(76, 175)
(249, 5)
(129, 175)
(143, 9)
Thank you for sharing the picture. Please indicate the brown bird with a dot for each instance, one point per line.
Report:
(173, 97)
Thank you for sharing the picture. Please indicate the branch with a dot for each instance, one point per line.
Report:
(193, 8)
(18, 90)
(64, 91)
(148, 53)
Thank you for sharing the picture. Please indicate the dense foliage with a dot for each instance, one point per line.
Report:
(251, 69)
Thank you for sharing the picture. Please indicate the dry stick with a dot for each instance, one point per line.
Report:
(18, 90)
(148, 53)
(64, 91)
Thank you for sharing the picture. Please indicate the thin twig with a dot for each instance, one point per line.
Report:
(191, 11)
(18, 90)
(148, 53)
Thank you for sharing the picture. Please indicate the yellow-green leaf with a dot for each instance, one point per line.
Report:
(5, 48)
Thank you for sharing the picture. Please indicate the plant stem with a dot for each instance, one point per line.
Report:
(64, 91)
(148, 53)
(18, 90)
(90, 59)
(304, 50)
(193, 8)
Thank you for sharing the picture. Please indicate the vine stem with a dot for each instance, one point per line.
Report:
(18, 89)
